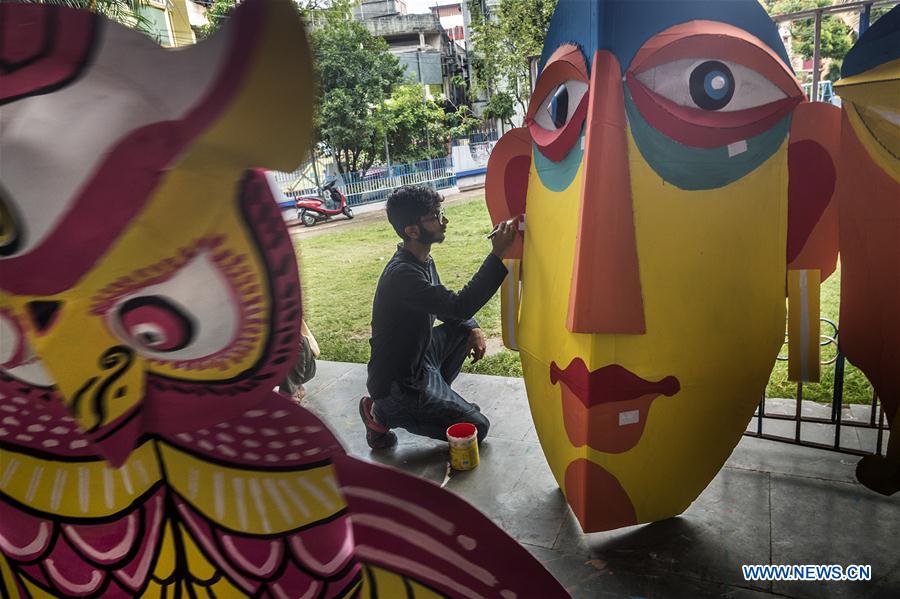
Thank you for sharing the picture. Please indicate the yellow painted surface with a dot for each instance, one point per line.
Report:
(510, 298)
(86, 489)
(872, 104)
(712, 266)
(253, 501)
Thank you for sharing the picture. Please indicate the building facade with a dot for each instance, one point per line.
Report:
(421, 44)
(172, 22)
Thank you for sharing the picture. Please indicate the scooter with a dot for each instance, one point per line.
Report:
(321, 207)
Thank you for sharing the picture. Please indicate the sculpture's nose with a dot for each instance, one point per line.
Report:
(605, 296)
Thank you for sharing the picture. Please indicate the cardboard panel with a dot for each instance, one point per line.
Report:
(804, 326)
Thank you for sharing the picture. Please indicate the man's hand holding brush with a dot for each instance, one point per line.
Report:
(503, 235)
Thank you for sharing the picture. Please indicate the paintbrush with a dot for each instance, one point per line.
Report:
(497, 228)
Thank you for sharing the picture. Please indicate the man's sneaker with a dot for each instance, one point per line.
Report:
(377, 436)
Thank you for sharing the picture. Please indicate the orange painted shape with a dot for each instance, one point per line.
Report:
(820, 123)
(506, 182)
(605, 296)
(586, 480)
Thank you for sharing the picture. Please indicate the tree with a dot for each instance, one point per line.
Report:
(417, 128)
(502, 46)
(356, 76)
(462, 122)
(215, 14)
(836, 36)
(501, 106)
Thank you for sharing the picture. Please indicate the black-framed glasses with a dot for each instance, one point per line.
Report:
(438, 216)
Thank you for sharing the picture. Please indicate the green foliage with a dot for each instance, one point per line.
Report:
(356, 76)
(417, 128)
(216, 13)
(501, 106)
(462, 122)
(420, 129)
(502, 46)
(836, 37)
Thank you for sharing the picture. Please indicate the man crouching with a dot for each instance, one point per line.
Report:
(413, 362)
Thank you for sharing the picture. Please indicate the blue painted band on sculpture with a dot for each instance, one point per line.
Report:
(701, 168)
(557, 176)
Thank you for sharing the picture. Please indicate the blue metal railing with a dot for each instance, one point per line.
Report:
(377, 183)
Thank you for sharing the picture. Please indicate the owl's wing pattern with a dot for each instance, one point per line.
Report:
(270, 498)
(75, 528)
(412, 527)
(258, 496)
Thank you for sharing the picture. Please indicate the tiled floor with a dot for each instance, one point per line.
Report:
(771, 503)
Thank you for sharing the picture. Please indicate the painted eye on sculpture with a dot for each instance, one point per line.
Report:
(155, 323)
(710, 85)
(559, 106)
(190, 316)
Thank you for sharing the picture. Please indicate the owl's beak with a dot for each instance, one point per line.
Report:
(100, 381)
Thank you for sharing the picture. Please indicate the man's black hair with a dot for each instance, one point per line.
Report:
(408, 204)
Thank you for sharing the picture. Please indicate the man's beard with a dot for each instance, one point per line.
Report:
(429, 238)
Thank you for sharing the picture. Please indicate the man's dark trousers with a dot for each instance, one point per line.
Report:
(427, 405)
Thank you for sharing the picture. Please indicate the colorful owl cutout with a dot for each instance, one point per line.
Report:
(149, 303)
(869, 203)
(664, 173)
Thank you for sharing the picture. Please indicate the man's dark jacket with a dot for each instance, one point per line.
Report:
(408, 298)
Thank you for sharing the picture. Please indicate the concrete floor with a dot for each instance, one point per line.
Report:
(771, 503)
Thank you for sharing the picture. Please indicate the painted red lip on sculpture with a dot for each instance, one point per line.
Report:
(609, 384)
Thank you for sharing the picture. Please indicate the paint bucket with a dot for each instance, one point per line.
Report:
(463, 438)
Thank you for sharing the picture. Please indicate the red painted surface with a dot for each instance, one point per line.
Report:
(585, 479)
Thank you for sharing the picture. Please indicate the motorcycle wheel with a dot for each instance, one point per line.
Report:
(348, 212)
(307, 218)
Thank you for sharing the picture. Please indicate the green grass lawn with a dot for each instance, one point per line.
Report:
(340, 270)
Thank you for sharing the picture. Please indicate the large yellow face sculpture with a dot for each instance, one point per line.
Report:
(654, 176)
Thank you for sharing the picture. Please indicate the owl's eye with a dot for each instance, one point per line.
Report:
(155, 323)
(190, 316)
(558, 107)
